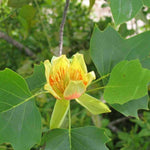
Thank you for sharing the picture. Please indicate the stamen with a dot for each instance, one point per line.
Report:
(58, 81)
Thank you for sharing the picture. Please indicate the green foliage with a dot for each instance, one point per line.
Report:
(146, 2)
(92, 2)
(56, 136)
(13, 91)
(21, 126)
(124, 10)
(118, 49)
(144, 123)
(26, 18)
(17, 115)
(37, 79)
(124, 31)
(138, 137)
(76, 139)
(131, 108)
(18, 3)
(36, 26)
(128, 81)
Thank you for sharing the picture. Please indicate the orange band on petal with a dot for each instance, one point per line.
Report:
(73, 96)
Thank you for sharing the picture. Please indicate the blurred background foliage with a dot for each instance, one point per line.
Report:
(36, 26)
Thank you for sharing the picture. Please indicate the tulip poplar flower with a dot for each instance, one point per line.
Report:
(67, 79)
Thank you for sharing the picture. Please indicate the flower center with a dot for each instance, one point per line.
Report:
(77, 74)
(60, 79)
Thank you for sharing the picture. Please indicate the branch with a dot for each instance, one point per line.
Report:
(16, 44)
(62, 27)
(113, 128)
(113, 123)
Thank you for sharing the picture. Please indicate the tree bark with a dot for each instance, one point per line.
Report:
(15, 43)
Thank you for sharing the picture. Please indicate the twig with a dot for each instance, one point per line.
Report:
(62, 27)
(113, 128)
(113, 123)
(119, 120)
(16, 44)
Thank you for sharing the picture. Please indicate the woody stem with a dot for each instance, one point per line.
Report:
(62, 27)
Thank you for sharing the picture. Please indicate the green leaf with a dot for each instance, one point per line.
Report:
(128, 81)
(107, 49)
(124, 31)
(27, 12)
(59, 113)
(18, 3)
(57, 139)
(92, 2)
(146, 2)
(86, 138)
(92, 104)
(146, 63)
(131, 108)
(13, 90)
(37, 80)
(21, 126)
(124, 10)
(26, 18)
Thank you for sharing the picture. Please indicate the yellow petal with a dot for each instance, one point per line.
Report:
(74, 90)
(48, 66)
(90, 77)
(59, 113)
(78, 60)
(61, 65)
(53, 58)
(92, 104)
(49, 88)
(60, 61)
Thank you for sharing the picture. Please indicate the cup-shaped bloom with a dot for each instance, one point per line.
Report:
(67, 78)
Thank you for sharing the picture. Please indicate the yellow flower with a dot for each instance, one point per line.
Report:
(67, 78)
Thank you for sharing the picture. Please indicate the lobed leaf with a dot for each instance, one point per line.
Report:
(21, 126)
(37, 79)
(85, 138)
(57, 139)
(107, 49)
(124, 10)
(13, 90)
(131, 108)
(128, 81)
